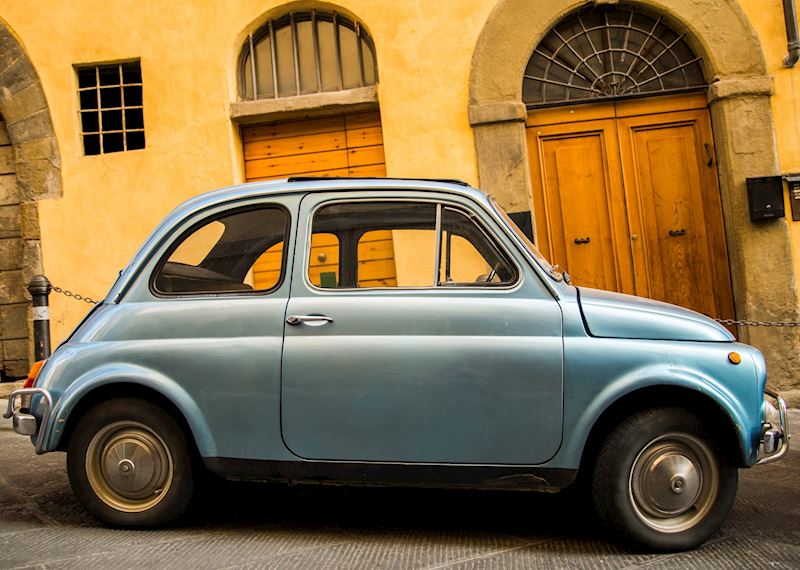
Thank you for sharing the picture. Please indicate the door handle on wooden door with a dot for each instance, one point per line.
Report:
(677, 233)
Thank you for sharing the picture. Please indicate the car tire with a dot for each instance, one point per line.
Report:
(129, 464)
(662, 481)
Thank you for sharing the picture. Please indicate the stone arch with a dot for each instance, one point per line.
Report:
(30, 170)
(739, 100)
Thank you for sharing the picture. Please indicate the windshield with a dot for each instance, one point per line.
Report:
(540, 259)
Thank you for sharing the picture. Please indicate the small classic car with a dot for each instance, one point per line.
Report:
(393, 332)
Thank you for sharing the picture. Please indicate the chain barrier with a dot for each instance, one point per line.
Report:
(758, 323)
(743, 323)
(75, 296)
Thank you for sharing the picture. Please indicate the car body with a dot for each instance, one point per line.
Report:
(507, 379)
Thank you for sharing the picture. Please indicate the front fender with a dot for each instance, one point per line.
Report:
(660, 376)
(129, 374)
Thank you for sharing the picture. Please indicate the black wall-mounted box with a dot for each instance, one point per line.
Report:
(765, 195)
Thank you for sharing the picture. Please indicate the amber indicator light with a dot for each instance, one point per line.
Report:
(735, 357)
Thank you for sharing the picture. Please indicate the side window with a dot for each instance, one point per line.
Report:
(383, 244)
(394, 244)
(242, 251)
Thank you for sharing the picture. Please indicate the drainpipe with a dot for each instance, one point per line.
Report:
(792, 35)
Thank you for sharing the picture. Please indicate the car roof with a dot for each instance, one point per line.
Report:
(284, 186)
(305, 184)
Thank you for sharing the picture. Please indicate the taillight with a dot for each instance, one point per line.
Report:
(34, 373)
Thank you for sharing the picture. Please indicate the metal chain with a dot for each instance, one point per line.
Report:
(74, 295)
(758, 323)
(743, 323)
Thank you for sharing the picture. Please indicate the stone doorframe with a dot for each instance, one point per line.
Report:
(739, 99)
(31, 170)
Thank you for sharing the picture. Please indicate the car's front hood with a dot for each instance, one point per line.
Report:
(614, 315)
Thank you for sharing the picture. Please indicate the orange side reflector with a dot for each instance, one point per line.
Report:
(34, 373)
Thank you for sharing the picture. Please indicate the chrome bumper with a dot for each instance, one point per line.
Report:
(25, 423)
(774, 439)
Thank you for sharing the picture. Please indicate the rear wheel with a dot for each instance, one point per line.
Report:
(662, 481)
(129, 464)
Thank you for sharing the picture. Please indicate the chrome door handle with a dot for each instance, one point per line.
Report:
(301, 319)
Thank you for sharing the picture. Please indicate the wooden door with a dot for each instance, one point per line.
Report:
(639, 178)
(341, 145)
(580, 214)
(674, 206)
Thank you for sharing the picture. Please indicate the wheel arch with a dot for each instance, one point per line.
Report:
(706, 407)
(161, 391)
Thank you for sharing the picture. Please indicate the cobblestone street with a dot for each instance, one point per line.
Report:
(266, 526)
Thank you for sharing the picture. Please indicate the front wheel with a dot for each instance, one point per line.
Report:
(129, 464)
(662, 481)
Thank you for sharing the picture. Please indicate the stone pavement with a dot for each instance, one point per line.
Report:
(269, 526)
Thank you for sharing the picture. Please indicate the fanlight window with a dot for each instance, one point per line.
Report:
(610, 52)
(306, 52)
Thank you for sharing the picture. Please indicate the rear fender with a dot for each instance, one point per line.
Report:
(129, 374)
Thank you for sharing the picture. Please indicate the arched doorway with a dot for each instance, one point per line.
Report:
(30, 170)
(738, 98)
(621, 152)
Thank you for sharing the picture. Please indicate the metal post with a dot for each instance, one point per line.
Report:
(40, 288)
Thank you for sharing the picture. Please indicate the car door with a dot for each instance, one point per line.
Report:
(396, 353)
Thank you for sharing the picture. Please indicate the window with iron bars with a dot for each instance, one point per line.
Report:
(111, 112)
(306, 52)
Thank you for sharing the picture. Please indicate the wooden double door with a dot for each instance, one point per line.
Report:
(626, 199)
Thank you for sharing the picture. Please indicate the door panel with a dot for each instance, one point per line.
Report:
(422, 375)
(681, 257)
(580, 217)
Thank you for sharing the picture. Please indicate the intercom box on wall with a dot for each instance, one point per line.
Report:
(765, 195)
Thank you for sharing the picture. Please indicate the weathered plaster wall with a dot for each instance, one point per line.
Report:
(767, 18)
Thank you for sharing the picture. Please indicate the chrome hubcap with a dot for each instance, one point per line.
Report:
(674, 482)
(129, 466)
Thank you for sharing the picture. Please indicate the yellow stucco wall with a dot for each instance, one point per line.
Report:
(188, 53)
(767, 19)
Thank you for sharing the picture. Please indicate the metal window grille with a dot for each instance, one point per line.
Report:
(306, 52)
(111, 112)
(607, 53)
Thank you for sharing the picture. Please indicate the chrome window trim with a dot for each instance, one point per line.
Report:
(435, 288)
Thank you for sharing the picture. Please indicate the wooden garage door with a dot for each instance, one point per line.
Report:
(342, 145)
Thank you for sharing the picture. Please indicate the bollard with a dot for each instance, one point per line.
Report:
(40, 288)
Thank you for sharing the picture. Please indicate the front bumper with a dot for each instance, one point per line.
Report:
(25, 423)
(774, 431)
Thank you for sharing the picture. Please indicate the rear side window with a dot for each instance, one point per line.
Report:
(237, 252)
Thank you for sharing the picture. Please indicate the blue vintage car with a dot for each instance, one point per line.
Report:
(400, 332)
